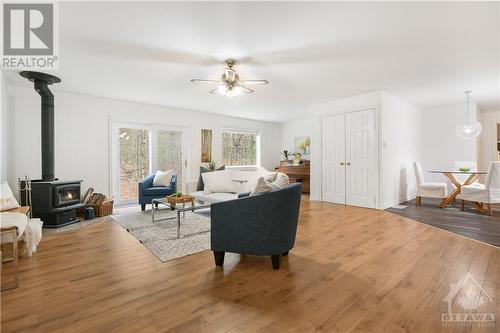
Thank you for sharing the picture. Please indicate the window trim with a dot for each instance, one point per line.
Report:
(243, 131)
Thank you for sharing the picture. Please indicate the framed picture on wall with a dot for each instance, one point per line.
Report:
(303, 146)
(206, 146)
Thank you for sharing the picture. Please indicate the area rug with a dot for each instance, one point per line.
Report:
(160, 237)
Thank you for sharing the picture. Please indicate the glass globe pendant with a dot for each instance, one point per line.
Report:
(469, 128)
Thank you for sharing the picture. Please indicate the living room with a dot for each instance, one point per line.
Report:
(247, 166)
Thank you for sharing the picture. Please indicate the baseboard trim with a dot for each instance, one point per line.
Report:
(397, 202)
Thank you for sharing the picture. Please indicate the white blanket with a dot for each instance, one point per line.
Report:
(30, 229)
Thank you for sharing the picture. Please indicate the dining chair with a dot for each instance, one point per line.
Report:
(486, 194)
(428, 190)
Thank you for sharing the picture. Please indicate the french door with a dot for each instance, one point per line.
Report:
(350, 162)
(139, 150)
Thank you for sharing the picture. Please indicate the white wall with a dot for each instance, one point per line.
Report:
(441, 145)
(4, 130)
(82, 138)
(293, 129)
(487, 139)
(400, 129)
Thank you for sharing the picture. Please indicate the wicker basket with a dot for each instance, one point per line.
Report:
(172, 199)
(104, 208)
(7, 249)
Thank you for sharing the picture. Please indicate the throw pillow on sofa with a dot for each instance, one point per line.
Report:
(218, 181)
(163, 178)
(282, 179)
(263, 186)
(7, 199)
(201, 185)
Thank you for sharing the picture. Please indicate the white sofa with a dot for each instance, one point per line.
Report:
(226, 184)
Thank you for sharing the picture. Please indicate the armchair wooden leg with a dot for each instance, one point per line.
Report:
(463, 205)
(490, 209)
(417, 201)
(219, 258)
(143, 207)
(276, 261)
(285, 254)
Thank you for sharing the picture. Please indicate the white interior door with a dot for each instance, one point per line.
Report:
(361, 159)
(333, 152)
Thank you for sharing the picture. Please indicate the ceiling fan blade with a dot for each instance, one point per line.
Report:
(214, 91)
(246, 89)
(204, 81)
(252, 82)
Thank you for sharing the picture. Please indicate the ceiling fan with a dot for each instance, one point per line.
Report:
(230, 84)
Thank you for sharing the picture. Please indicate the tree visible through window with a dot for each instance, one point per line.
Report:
(134, 160)
(239, 148)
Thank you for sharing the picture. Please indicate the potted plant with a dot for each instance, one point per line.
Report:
(286, 154)
(297, 157)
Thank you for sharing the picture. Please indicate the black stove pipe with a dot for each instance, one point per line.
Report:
(41, 82)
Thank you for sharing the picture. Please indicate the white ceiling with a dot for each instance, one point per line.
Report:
(426, 53)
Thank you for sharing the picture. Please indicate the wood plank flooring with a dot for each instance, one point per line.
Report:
(352, 270)
(469, 223)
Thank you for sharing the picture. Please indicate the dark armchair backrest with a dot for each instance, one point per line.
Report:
(264, 224)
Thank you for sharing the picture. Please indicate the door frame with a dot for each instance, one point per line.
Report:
(152, 127)
(377, 203)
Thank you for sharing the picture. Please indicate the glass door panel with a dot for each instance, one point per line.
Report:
(169, 149)
(133, 161)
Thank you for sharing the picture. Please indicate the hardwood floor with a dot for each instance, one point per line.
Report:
(352, 270)
(469, 223)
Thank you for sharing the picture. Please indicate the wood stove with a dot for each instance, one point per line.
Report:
(53, 201)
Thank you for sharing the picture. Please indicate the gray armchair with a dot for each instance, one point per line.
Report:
(264, 224)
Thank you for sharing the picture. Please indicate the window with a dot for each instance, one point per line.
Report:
(240, 148)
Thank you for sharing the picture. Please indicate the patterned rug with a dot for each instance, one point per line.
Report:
(160, 237)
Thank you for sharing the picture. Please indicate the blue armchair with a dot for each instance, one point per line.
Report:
(148, 192)
(264, 224)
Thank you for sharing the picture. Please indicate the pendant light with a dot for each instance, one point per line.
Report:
(469, 128)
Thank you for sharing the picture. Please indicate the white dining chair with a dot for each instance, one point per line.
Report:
(488, 194)
(428, 190)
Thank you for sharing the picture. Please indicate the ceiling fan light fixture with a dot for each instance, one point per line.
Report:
(230, 84)
(225, 91)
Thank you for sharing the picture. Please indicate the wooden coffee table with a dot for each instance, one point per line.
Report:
(182, 207)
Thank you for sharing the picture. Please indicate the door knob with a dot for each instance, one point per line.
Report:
(348, 163)
(341, 163)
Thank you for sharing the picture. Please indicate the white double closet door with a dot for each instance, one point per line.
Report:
(350, 158)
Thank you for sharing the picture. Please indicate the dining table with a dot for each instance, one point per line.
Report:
(452, 176)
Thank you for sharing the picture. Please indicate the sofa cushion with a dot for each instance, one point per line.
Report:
(219, 181)
(213, 197)
(163, 178)
(157, 190)
(203, 170)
